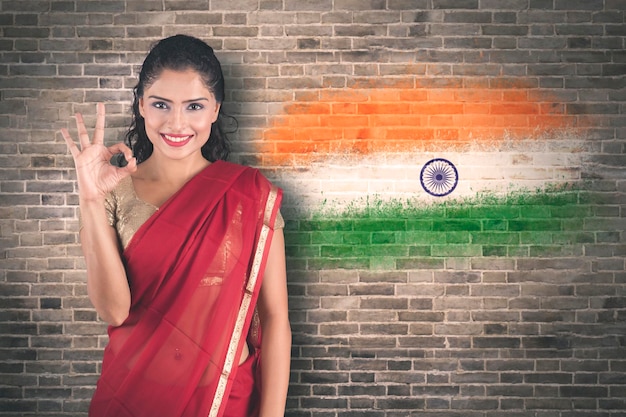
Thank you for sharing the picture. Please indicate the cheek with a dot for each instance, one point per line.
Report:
(200, 123)
(153, 117)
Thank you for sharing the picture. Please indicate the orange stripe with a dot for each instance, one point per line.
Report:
(376, 116)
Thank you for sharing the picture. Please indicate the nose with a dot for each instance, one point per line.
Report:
(177, 120)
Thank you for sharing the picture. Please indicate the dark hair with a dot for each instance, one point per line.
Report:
(180, 53)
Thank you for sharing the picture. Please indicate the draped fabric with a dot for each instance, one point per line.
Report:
(195, 269)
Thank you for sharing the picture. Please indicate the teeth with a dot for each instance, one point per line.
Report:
(176, 139)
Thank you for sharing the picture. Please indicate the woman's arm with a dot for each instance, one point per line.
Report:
(276, 331)
(107, 284)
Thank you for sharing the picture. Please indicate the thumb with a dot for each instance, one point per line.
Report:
(131, 166)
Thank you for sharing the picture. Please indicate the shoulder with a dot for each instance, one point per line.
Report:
(234, 167)
(118, 196)
(253, 184)
(245, 175)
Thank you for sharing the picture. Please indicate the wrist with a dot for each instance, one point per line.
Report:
(91, 209)
(91, 201)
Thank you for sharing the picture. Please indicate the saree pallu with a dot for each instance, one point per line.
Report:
(195, 270)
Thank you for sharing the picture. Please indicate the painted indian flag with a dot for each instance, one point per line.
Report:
(388, 173)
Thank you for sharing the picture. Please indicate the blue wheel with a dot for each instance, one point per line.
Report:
(439, 177)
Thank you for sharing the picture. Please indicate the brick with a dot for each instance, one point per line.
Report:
(496, 342)
(356, 5)
(402, 403)
(450, 4)
(579, 5)
(504, 30)
(308, 5)
(475, 404)
(372, 289)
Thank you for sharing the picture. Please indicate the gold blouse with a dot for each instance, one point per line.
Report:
(126, 212)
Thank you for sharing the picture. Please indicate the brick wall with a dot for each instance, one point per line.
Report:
(498, 300)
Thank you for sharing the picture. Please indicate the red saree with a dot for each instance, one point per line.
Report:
(195, 269)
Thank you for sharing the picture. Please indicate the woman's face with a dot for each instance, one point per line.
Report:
(178, 111)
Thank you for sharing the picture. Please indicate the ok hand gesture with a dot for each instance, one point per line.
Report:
(95, 173)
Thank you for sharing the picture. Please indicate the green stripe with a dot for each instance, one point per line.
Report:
(377, 234)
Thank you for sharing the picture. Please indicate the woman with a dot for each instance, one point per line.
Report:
(179, 247)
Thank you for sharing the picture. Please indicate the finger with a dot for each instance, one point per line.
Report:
(131, 161)
(98, 135)
(131, 166)
(127, 170)
(83, 136)
(121, 148)
(70, 143)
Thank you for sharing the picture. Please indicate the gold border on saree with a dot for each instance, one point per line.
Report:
(245, 304)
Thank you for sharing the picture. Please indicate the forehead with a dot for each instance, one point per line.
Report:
(178, 84)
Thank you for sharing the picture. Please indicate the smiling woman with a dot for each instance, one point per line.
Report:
(184, 70)
(200, 269)
(174, 119)
(178, 112)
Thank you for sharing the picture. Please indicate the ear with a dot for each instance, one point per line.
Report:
(217, 111)
(141, 107)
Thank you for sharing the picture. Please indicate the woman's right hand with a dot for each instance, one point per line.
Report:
(95, 174)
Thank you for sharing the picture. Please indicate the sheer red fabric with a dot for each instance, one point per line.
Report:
(195, 269)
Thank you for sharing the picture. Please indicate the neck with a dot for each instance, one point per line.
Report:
(172, 172)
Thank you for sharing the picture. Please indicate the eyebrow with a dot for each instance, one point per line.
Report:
(186, 101)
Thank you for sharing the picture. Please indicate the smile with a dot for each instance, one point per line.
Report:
(176, 140)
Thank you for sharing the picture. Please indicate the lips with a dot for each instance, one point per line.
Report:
(176, 140)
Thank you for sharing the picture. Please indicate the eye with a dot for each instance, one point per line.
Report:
(160, 105)
(195, 106)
